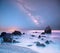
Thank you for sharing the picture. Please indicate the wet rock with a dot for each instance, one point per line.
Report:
(40, 44)
(16, 33)
(29, 45)
(7, 37)
(33, 35)
(3, 34)
(48, 30)
(47, 42)
(43, 36)
(43, 33)
(23, 33)
(39, 36)
(42, 39)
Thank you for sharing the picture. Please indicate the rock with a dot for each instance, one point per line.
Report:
(47, 42)
(43, 33)
(39, 36)
(23, 33)
(16, 33)
(29, 45)
(0, 35)
(40, 44)
(42, 39)
(3, 34)
(51, 41)
(43, 36)
(48, 30)
(33, 35)
(7, 38)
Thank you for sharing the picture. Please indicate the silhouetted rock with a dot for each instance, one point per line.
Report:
(23, 33)
(42, 39)
(3, 34)
(39, 36)
(16, 33)
(40, 44)
(33, 35)
(47, 42)
(48, 30)
(51, 41)
(7, 37)
(43, 33)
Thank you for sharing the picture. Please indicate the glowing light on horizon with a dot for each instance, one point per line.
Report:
(8, 29)
(11, 29)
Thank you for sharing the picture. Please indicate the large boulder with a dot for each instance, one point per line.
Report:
(48, 30)
(16, 33)
(3, 34)
(7, 38)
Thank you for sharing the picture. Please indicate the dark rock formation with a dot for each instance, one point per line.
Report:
(43, 33)
(3, 34)
(39, 36)
(40, 44)
(48, 30)
(16, 33)
(7, 37)
(33, 35)
(47, 42)
(23, 33)
(29, 45)
(43, 36)
(42, 39)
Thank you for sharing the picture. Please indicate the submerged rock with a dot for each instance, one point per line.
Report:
(40, 44)
(29, 45)
(43, 33)
(23, 33)
(42, 39)
(47, 42)
(33, 35)
(39, 36)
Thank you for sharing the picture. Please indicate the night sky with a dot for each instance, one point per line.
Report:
(29, 14)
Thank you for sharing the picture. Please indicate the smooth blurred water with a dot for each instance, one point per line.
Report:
(26, 39)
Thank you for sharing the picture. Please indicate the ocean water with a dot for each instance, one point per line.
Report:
(53, 47)
(27, 41)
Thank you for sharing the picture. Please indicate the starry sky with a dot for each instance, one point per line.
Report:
(29, 14)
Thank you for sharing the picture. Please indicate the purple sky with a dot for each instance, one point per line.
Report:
(29, 14)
